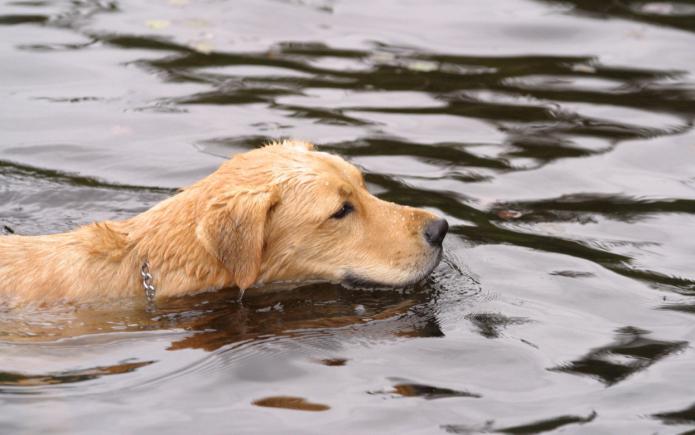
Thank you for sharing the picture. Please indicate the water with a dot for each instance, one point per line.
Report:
(555, 136)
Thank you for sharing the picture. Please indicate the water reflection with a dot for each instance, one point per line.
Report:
(490, 325)
(21, 380)
(310, 311)
(685, 416)
(631, 352)
(405, 388)
(581, 208)
(678, 14)
(530, 428)
(319, 315)
(519, 95)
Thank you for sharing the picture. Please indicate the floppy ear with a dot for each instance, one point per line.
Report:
(232, 230)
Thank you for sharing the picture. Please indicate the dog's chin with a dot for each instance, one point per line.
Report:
(352, 279)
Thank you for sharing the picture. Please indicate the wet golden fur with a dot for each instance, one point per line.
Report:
(264, 216)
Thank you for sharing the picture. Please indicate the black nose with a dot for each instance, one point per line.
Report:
(435, 231)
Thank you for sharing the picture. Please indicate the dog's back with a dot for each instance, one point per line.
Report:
(50, 267)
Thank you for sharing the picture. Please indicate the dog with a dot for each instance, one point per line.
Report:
(282, 213)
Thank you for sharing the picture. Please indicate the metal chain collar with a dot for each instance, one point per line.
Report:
(150, 290)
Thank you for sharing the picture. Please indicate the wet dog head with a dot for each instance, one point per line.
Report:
(285, 212)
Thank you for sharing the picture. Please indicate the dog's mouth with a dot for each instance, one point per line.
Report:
(355, 280)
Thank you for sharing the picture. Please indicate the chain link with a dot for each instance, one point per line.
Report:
(150, 290)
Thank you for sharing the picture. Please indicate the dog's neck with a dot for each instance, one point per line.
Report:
(165, 237)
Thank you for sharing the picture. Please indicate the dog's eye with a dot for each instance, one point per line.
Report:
(345, 210)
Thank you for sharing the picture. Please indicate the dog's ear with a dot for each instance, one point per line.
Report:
(232, 229)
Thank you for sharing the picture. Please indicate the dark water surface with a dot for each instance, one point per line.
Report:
(556, 137)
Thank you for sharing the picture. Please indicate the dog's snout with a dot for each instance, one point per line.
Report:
(435, 231)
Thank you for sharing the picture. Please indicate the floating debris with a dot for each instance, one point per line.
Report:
(289, 402)
(157, 24)
(584, 68)
(423, 66)
(509, 214)
(204, 47)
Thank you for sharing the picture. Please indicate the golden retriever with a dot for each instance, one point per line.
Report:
(280, 213)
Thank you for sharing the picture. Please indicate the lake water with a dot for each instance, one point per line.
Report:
(555, 136)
